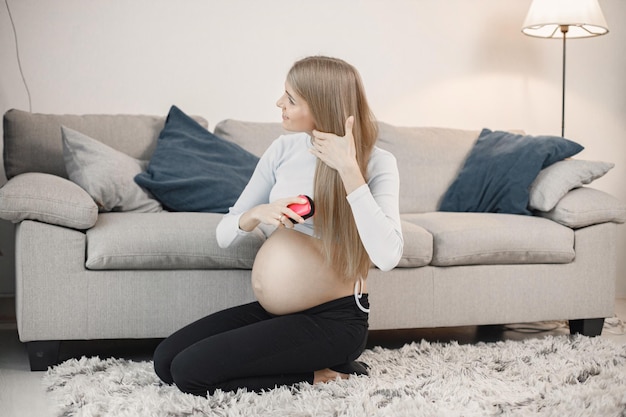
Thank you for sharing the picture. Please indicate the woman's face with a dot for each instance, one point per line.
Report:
(296, 114)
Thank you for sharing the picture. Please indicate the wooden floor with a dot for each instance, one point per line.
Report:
(22, 393)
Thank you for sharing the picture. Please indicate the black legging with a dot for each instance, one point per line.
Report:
(247, 347)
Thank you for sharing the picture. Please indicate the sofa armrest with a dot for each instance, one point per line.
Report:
(49, 199)
(586, 206)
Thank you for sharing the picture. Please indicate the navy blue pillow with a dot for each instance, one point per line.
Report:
(499, 170)
(194, 170)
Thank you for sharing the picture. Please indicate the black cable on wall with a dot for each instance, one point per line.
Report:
(17, 54)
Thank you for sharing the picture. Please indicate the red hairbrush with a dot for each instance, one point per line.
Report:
(305, 210)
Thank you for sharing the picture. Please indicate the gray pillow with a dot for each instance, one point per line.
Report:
(553, 182)
(106, 174)
(47, 198)
(586, 206)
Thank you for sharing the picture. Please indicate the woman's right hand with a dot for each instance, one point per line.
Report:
(275, 213)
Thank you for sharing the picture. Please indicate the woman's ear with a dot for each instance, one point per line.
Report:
(348, 126)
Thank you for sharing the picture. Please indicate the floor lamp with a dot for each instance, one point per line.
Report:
(564, 19)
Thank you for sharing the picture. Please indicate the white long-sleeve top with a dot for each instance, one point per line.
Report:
(287, 169)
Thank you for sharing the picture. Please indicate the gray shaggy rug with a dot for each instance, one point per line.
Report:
(551, 376)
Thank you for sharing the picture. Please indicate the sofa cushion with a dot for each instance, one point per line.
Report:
(553, 182)
(106, 174)
(194, 170)
(255, 137)
(429, 159)
(499, 170)
(32, 141)
(490, 238)
(165, 241)
(47, 198)
(584, 207)
(418, 246)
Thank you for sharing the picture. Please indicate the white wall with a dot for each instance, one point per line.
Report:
(455, 63)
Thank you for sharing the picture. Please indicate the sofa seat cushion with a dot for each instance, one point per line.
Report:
(493, 238)
(164, 241)
(418, 245)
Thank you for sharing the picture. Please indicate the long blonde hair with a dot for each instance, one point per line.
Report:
(334, 91)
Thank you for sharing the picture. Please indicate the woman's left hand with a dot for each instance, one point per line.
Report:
(337, 152)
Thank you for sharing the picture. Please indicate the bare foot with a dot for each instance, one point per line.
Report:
(325, 375)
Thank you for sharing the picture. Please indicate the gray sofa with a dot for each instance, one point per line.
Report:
(82, 273)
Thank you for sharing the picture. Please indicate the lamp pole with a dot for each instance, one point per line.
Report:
(564, 30)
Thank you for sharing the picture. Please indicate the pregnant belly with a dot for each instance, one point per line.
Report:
(289, 274)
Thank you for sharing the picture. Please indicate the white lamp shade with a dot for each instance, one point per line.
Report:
(583, 18)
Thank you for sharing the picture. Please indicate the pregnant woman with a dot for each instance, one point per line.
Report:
(310, 320)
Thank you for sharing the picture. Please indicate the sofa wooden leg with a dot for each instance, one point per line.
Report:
(586, 327)
(43, 354)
